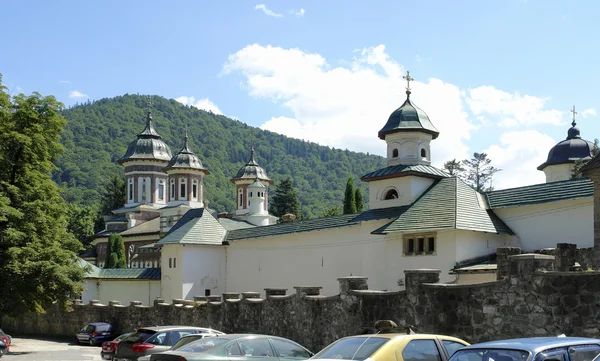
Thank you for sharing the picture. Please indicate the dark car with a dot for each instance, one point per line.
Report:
(95, 333)
(109, 347)
(3, 348)
(150, 340)
(532, 349)
(239, 347)
(6, 337)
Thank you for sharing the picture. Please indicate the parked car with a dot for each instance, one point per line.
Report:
(392, 345)
(150, 340)
(108, 347)
(189, 339)
(95, 333)
(532, 349)
(5, 341)
(3, 348)
(238, 347)
(9, 342)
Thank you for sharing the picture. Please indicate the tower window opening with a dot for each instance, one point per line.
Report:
(161, 190)
(423, 153)
(241, 200)
(250, 194)
(391, 194)
(172, 195)
(195, 189)
(130, 189)
(182, 191)
(395, 153)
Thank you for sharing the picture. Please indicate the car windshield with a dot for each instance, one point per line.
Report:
(139, 336)
(202, 345)
(490, 355)
(123, 336)
(355, 348)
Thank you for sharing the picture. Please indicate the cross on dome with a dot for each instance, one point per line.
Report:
(408, 79)
(574, 112)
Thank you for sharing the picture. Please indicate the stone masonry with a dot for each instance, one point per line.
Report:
(535, 295)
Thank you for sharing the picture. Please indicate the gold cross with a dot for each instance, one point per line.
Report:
(408, 79)
(574, 112)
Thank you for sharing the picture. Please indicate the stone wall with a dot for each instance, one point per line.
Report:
(535, 294)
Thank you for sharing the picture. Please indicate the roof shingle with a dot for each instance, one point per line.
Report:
(405, 170)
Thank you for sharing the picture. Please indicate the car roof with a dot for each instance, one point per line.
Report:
(99, 323)
(405, 335)
(535, 344)
(162, 328)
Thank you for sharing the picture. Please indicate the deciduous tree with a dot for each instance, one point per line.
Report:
(38, 254)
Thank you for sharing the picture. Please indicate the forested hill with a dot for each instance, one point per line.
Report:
(97, 134)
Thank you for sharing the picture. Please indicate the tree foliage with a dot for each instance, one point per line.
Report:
(455, 168)
(97, 135)
(38, 254)
(82, 222)
(358, 199)
(115, 252)
(333, 211)
(349, 198)
(285, 199)
(576, 174)
(479, 172)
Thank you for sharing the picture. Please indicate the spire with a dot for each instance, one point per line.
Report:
(186, 147)
(149, 129)
(573, 131)
(252, 160)
(408, 79)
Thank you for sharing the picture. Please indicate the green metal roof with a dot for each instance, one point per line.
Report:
(120, 273)
(380, 213)
(195, 227)
(292, 227)
(408, 118)
(405, 170)
(447, 204)
(541, 193)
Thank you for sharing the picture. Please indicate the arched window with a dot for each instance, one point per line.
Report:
(395, 153)
(423, 153)
(250, 194)
(391, 194)
(195, 189)
(182, 189)
(130, 189)
(241, 198)
(172, 194)
(161, 190)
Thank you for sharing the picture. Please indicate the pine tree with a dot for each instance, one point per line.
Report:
(119, 251)
(479, 172)
(349, 200)
(285, 199)
(38, 255)
(358, 199)
(576, 174)
(111, 259)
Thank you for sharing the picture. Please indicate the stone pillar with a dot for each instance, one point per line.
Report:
(94, 302)
(231, 296)
(352, 283)
(246, 295)
(415, 277)
(158, 301)
(566, 256)
(302, 291)
(114, 303)
(503, 262)
(177, 301)
(215, 298)
(200, 298)
(275, 292)
(135, 303)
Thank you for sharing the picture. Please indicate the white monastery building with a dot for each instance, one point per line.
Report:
(418, 217)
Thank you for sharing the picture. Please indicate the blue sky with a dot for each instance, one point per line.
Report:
(493, 76)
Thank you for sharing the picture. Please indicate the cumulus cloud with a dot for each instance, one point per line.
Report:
(267, 11)
(75, 94)
(204, 104)
(345, 106)
(591, 112)
(511, 110)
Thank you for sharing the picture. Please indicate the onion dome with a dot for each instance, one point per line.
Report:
(252, 171)
(408, 118)
(571, 149)
(149, 145)
(186, 159)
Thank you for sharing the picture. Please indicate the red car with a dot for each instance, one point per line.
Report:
(109, 347)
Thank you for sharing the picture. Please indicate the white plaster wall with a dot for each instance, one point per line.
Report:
(318, 258)
(409, 147)
(544, 225)
(409, 189)
(124, 291)
(203, 268)
(558, 172)
(171, 277)
(470, 244)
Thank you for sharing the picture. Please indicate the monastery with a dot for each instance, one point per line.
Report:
(418, 217)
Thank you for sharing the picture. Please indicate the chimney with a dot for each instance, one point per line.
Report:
(288, 217)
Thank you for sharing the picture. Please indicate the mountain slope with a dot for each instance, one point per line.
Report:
(97, 134)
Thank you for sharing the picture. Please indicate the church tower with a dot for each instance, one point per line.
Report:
(186, 178)
(247, 175)
(143, 162)
(257, 210)
(408, 133)
(561, 159)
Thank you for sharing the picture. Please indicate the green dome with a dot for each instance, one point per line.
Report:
(408, 118)
(149, 145)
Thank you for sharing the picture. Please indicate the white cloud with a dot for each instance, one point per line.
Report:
(267, 11)
(204, 104)
(591, 112)
(300, 13)
(518, 155)
(345, 106)
(75, 94)
(511, 110)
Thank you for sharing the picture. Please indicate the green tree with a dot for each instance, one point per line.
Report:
(358, 200)
(115, 252)
(455, 168)
(81, 224)
(285, 199)
(333, 211)
(480, 172)
(113, 196)
(349, 200)
(576, 173)
(38, 255)
(111, 260)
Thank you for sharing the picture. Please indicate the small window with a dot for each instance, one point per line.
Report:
(170, 263)
(130, 189)
(182, 191)
(423, 153)
(195, 191)
(421, 242)
(410, 247)
(430, 245)
(421, 350)
(174, 262)
(395, 153)
(391, 194)
(161, 190)
(241, 200)
(207, 292)
(250, 194)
